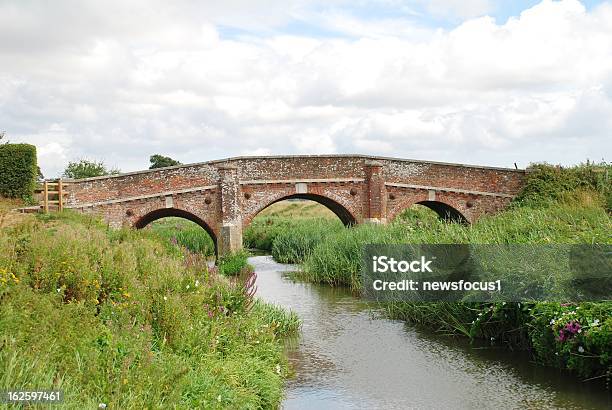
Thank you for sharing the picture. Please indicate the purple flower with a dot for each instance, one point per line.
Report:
(561, 337)
(572, 327)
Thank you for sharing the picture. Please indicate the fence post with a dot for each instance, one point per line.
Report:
(45, 197)
(60, 193)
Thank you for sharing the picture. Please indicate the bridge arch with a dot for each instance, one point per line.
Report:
(445, 210)
(154, 215)
(347, 218)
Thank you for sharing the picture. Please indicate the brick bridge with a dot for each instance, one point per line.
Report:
(224, 196)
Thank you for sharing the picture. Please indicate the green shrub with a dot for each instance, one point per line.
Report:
(233, 263)
(88, 169)
(18, 170)
(546, 182)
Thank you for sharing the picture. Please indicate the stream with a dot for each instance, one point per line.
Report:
(348, 357)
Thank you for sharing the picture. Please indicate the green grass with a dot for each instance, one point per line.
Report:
(184, 233)
(284, 218)
(127, 319)
(233, 264)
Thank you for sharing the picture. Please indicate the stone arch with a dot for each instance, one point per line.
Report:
(446, 209)
(175, 212)
(347, 218)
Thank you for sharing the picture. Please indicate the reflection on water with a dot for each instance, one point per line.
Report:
(345, 358)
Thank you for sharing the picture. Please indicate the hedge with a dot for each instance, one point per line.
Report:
(18, 170)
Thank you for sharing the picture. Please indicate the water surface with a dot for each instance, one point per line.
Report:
(346, 357)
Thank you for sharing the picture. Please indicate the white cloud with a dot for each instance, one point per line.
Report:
(166, 79)
(458, 9)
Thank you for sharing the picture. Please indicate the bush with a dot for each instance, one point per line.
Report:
(18, 170)
(547, 182)
(232, 264)
(121, 318)
(87, 169)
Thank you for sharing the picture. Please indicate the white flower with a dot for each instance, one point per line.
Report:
(552, 321)
(102, 405)
(187, 286)
(278, 369)
(165, 298)
(492, 338)
(197, 283)
(59, 290)
(219, 398)
(580, 349)
(595, 322)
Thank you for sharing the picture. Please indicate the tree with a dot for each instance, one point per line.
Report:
(87, 169)
(159, 161)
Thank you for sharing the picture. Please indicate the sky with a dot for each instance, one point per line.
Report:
(485, 82)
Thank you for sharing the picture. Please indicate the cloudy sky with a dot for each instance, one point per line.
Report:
(474, 81)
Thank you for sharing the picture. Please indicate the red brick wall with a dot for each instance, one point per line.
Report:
(352, 187)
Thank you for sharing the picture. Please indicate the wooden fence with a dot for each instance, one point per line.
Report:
(53, 195)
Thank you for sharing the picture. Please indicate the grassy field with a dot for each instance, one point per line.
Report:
(130, 320)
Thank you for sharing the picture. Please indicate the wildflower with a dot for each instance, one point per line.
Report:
(219, 398)
(165, 297)
(187, 286)
(573, 327)
(552, 321)
(102, 405)
(580, 349)
(278, 369)
(595, 322)
(562, 336)
(197, 283)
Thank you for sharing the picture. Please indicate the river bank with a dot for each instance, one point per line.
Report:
(125, 319)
